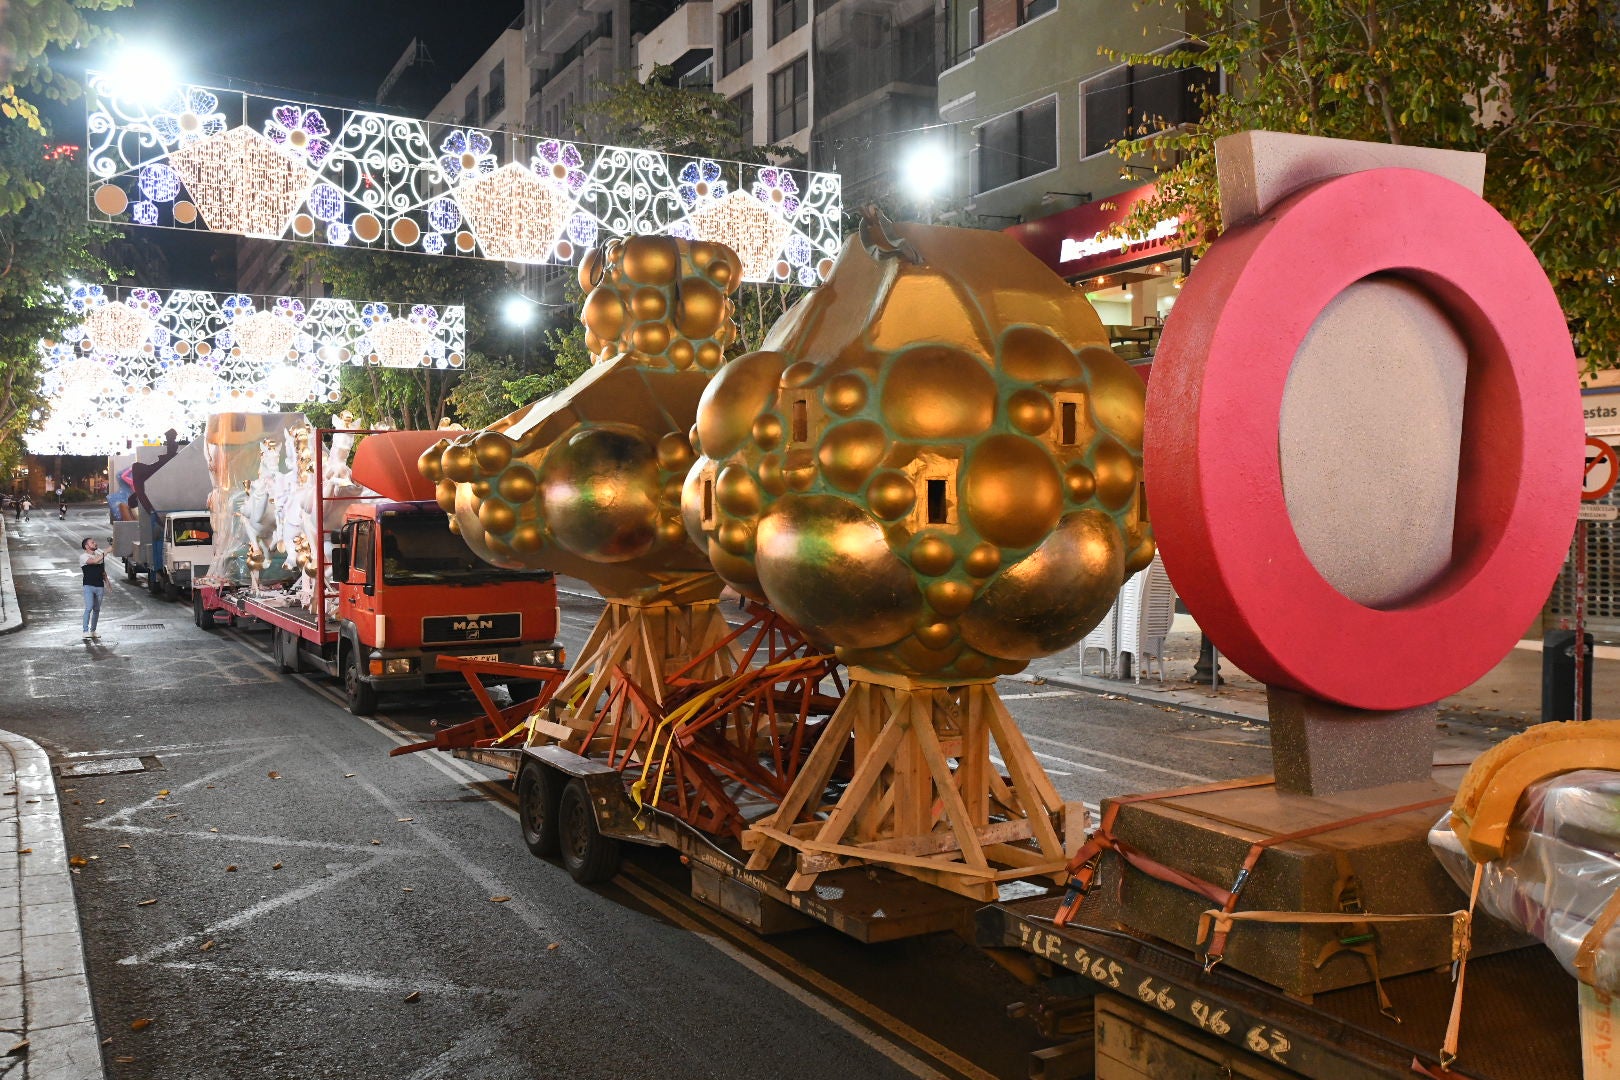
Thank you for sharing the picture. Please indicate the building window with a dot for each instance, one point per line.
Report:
(736, 37)
(495, 100)
(790, 99)
(1135, 100)
(1034, 9)
(743, 109)
(786, 17)
(1017, 145)
(470, 107)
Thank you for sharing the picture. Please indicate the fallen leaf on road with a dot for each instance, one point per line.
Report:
(407, 819)
(78, 860)
(347, 775)
(272, 774)
(131, 846)
(100, 801)
(170, 817)
(414, 995)
(146, 903)
(124, 1060)
(210, 787)
(209, 944)
(136, 1025)
(275, 866)
(499, 899)
(376, 841)
(409, 889)
(20, 1048)
(107, 1041)
(163, 793)
(213, 830)
(231, 869)
(552, 947)
(26, 851)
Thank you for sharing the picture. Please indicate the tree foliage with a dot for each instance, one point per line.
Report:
(42, 246)
(1534, 85)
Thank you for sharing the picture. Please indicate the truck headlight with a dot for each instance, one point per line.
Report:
(178, 566)
(547, 658)
(404, 665)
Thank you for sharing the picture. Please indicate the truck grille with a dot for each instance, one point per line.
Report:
(444, 629)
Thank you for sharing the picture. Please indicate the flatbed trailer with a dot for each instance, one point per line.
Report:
(1159, 1013)
(578, 808)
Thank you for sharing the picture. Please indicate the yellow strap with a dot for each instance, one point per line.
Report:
(1448, 1049)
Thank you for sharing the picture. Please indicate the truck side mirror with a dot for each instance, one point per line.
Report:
(340, 560)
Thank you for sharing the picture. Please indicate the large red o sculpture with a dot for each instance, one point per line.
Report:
(1211, 459)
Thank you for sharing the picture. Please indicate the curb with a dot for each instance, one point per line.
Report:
(44, 987)
(11, 616)
(1185, 700)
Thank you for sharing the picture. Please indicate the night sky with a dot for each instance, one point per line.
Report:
(333, 52)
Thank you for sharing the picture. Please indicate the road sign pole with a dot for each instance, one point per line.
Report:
(1580, 618)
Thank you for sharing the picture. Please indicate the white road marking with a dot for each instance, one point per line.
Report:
(268, 841)
(1121, 760)
(1039, 693)
(118, 817)
(263, 907)
(175, 748)
(378, 983)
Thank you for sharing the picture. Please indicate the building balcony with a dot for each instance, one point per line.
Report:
(689, 30)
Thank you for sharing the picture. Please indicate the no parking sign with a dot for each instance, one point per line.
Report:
(1602, 467)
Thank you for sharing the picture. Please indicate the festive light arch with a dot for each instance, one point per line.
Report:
(229, 162)
(135, 362)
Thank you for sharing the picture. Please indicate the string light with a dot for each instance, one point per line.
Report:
(264, 336)
(517, 215)
(243, 183)
(743, 224)
(117, 329)
(400, 343)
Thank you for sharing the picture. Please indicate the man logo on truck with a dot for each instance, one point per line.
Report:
(474, 624)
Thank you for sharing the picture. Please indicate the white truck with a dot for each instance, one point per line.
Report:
(164, 528)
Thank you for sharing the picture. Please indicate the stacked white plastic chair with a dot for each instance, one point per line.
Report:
(1147, 609)
(1104, 638)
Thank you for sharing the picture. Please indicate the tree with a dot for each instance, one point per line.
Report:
(415, 398)
(28, 32)
(42, 245)
(1532, 84)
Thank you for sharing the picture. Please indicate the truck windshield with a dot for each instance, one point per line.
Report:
(193, 531)
(423, 551)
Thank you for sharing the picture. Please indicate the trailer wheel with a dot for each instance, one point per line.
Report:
(362, 695)
(539, 791)
(200, 614)
(587, 855)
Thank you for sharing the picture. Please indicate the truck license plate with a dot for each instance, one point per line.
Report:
(492, 656)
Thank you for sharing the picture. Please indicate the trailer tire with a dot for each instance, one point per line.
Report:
(200, 614)
(539, 792)
(587, 855)
(361, 695)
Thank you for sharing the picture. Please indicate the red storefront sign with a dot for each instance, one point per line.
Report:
(1071, 242)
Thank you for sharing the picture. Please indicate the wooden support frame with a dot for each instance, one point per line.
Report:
(964, 828)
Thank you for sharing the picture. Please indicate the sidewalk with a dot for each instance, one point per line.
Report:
(1507, 697)
(47, 1026)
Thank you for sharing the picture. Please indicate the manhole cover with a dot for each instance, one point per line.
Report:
(140, 626)
(104, 767)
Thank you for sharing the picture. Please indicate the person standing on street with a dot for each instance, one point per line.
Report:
(93, 565)
(27, 505)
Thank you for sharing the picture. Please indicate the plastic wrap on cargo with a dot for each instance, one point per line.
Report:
(261, 487)
(1560, 877)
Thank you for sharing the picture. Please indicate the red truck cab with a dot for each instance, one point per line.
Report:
(409, 591)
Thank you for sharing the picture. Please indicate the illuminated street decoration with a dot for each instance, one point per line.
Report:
(137, 361)
(229, 162)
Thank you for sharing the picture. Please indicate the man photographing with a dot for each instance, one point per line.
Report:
(93, 565)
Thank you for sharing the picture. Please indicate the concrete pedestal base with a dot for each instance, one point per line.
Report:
(1318, 748)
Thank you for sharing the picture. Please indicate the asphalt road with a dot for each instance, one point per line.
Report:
(303, 885)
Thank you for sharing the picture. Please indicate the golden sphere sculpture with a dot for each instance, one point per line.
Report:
(588, 481)
(933, 464)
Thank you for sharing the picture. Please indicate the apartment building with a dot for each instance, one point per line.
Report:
(493, 93)
(1031, 105)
